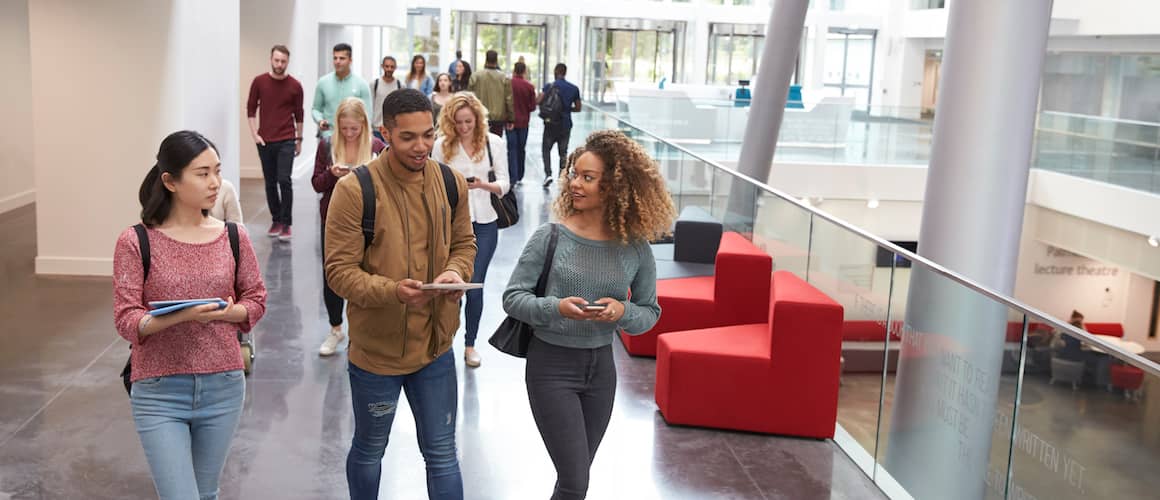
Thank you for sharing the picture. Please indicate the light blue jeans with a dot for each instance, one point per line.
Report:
(186, 423)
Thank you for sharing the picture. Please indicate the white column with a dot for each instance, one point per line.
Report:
(446, 39)
(944, 411)
(782, 41)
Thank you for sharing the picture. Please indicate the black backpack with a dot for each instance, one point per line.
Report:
(368, 195)
(552, 105)
(143, 242)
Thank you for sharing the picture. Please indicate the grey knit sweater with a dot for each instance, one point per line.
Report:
(588, 269)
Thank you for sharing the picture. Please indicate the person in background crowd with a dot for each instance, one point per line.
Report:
(187, 383)
(453, 68)
(336, 86)
(462, 78)
(442, 94)
(494, 90)
(614, 204)
(275, 115)
(336, 157)
(558, 131)
(465, 145)
(380, 89)
(523, 104)
(227, 208)
(400, 334)
(418, 78)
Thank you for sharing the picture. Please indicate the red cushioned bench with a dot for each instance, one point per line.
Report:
(737, 293)
(776, 377)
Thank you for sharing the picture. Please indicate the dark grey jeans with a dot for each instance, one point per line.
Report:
(571, 392)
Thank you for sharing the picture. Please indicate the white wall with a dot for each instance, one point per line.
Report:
(1138, 312)
(1110, 17)
(160, 66)
(17, 186)
(265, 23)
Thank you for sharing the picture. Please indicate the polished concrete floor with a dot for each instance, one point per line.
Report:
(66, 431)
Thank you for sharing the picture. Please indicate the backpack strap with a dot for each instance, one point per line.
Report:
(450, 186)
(368, 196)
(375, 88)
(235, 246)
(143, 242)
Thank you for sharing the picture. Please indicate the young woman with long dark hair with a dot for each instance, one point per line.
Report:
(188, 386)
(418, 78)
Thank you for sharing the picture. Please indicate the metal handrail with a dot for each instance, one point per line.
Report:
(1133, 359)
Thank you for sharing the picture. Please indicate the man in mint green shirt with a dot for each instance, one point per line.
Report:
(336, 86)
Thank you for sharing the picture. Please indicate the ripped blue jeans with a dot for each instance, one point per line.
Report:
(433, 395)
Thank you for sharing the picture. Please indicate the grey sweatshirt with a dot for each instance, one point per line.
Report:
(588, 269)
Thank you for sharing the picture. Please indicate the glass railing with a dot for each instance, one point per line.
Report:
(1121, 152)
(830, 131)
(946, 385)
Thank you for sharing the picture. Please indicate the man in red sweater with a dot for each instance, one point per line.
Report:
(523, 103)
(275, 114)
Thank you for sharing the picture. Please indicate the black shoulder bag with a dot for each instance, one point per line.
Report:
(143, 243)
(506, 207)
(513, 336)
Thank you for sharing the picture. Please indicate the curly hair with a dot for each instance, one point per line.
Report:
(447, 125)
(637, 204)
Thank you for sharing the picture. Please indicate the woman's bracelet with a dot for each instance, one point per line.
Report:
(144, 321)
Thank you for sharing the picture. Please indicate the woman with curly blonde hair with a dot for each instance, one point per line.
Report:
(614, 202)
(465, 145)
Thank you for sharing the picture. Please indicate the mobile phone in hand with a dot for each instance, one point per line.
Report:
(595, 307)
(471, 179)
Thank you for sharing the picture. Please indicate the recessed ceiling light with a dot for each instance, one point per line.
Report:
(872, 203)
(1153, 241)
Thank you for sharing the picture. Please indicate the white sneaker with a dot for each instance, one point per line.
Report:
(471, 357)
(332, 340)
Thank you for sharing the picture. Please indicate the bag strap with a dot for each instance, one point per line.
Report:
(549, 256)
(368, 196)
(375, 88)
(365, 182)
(235, 247)
(143, 242)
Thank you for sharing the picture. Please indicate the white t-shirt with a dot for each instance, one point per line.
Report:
(480, 199)
(381, 90)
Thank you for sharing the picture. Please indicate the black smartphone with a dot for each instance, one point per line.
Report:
(471, 179)
(595, 307)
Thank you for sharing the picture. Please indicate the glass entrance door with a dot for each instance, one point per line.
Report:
(850, 64)
(623, 52)
(511, 43)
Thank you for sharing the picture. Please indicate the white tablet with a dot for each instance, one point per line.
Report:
(451, 286)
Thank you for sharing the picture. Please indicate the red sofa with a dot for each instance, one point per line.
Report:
(777, 377)
(737, 293)
(1113, 329)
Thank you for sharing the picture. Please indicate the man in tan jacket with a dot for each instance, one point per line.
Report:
(400, 334)
(494, 90)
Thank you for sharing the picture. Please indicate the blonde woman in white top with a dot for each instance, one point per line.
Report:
(465, 145)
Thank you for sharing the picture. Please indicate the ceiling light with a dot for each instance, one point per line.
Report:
(872, 203)
(1153, 241)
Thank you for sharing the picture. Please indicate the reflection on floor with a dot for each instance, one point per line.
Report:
(1087, 443)
(66, 432)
